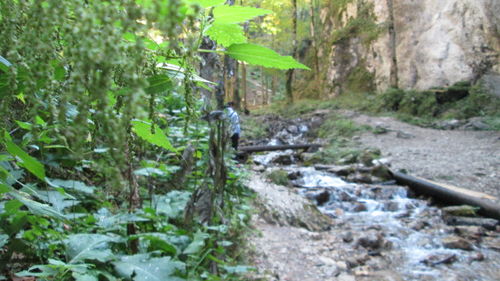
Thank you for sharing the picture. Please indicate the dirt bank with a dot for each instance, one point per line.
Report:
(467, 159)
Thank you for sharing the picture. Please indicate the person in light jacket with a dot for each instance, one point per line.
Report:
(234, 124)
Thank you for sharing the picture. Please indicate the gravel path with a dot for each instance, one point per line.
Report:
(467, 159)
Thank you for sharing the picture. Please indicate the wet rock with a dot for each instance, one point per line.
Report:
(341, 265)
(356, 261)
(346, 277)
(372, 240)
(326, 261)
(322, 198)
(436, 259)
(359, 207)
(259, 168)
(347, 237)
(462, 210)
(344, 196)
(292, 129)
(381, 172)
(307, 157)
(489, 224)
(294, 175)
(339, 170)
(492, 243)
(476, 257)
(417, 225)
(359, 178)
(284, 159)
(455, 242)
(470, 232)
(391, 206)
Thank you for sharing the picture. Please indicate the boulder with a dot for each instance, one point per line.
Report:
(455, 242)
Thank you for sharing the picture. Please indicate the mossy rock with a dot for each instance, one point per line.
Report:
(279, 177)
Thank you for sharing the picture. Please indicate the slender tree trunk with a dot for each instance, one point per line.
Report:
(229, 70)
(236, 88)
(244, 85)
(393, 76)
(289, 73)
(316, 72)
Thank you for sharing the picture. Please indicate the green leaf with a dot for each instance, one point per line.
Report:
(158, 84)
(24, 125)
(160, 243)
(71, 184)
(149, 171)
(28, 162)
(89, 276)
(147, 268)
(143, 130)
(197, 244)
(106, 219)
(4, 64)
(237, 14)
(172, 204)
(4, 188)
(58, 200)
(239, 269)
(208, 3)
(83, 246)
(36, 207)
(226, 34)
(259, 55)
(4, 238)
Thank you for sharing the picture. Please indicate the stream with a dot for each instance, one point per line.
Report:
(386, 227)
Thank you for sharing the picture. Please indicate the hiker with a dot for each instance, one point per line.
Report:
(234, 124)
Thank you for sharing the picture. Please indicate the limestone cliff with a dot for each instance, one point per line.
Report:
(418, 44)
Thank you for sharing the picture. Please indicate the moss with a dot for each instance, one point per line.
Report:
(364, 26)
(279, 177)
(460, 101)
(421, 104)
(360, 80)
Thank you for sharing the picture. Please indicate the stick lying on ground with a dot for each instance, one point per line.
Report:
(250, 149)
(451, 194)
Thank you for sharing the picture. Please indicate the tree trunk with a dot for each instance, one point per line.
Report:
(244, 85)
(236, 88)
(393, 77)
(316, 72)
(289, 73)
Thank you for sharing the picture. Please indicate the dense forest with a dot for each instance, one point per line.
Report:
(115, 157)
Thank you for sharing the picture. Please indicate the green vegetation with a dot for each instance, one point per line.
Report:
(425, 107)
(363, 26)
(279, 177)
(104, 156)
(254, 129)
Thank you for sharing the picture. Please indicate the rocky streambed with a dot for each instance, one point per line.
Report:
(370, 228)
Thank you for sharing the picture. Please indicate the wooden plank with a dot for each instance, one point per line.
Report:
(262, 148)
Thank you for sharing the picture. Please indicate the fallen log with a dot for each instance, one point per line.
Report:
(260, 148)
(454, 195)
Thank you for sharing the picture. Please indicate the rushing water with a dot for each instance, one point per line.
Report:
(404, 234)
(413, 229)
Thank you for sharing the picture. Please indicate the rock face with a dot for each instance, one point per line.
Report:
(432, 43)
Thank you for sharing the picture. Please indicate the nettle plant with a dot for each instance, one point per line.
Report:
(100, 116)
